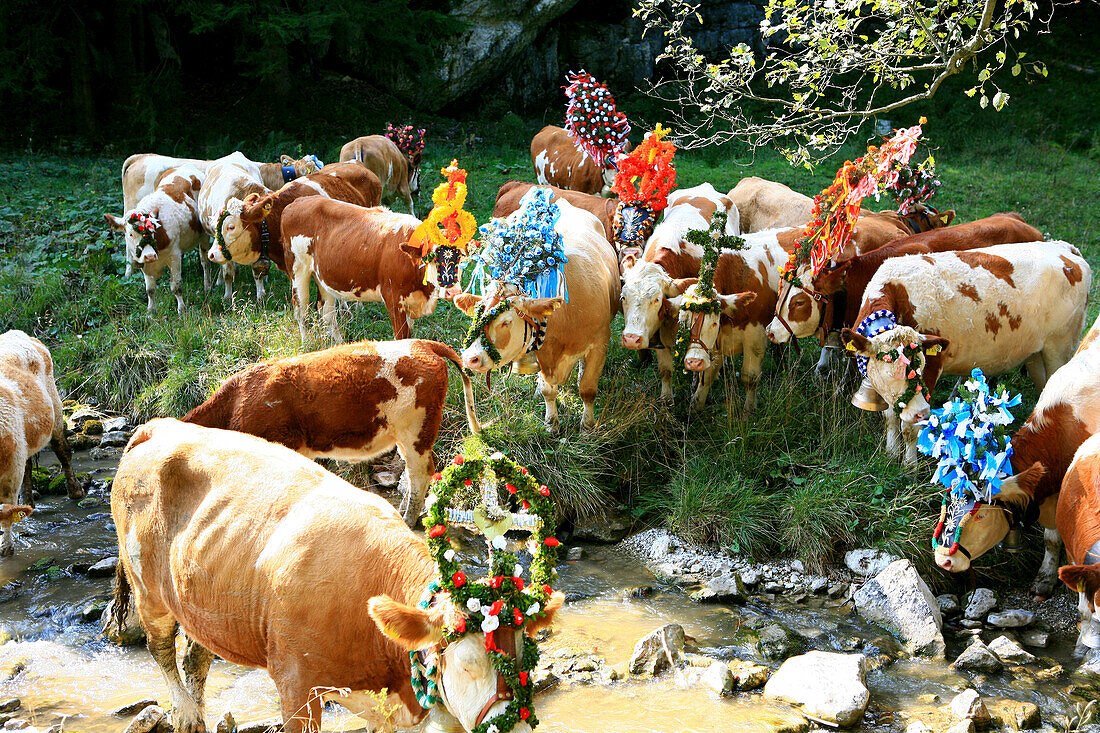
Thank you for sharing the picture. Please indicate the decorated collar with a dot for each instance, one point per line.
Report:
(597, 128)
(145, 226)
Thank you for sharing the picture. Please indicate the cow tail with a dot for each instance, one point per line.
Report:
(121, 606)
(447, 352)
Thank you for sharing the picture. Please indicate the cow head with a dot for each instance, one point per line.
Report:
(632, 225)
(968, 530)
(237, 236)
(143, 233)
(923, 218)
(305, 166)
(1085, 579)
(513, 323)
(645, 297)
(704, 326)
(442, 264)
(467, 679)
(889, 373)
(802, 309)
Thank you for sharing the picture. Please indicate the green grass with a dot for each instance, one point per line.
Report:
(807, 475)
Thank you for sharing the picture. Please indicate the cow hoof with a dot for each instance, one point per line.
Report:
(76, 492)
(190, 726)
(1041, 591)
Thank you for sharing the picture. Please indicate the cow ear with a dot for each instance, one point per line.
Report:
(415, 253)
(856, 342)
(933, 345)
(553, 605)
(412, 628)
(286, 159)
(466, 302)
(831, 280)
(947, 217)
(730, 303)
(1020, 487)
(628, 261)
(677, 287)
(114, 222)
(667, 310)
(11, 513)
(539, 308)
(1081, 578)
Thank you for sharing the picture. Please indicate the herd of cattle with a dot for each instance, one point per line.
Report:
(989, 294)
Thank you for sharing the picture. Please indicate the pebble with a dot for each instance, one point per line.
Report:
(968, 705)
(1014, 619)
(966, 726)
(1036, 638)
(750, 577)
(575, 553)
(979, 603)
(134, 708)
(16, 724)
(146, 720)
(227, 724)
(10, 705)
(978, 658)
(818, 584)
(104, 568)
(917, 727)
(773, 587)
(837, 589)
(263, 726)
(1010, 651)
(948, 603)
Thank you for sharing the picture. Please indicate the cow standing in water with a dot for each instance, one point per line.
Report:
(1066, 414)
(1078, 522)
(268, 560)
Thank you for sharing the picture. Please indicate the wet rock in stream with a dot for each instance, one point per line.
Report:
(899, 600)
(148, 720)
(827, 686)
(658, 650)
(979, 603)
(130, 635)
(978, 658)
(1009, 651)
(105, 568)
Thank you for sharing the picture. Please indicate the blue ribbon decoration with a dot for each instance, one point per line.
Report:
(871, 326)
(968, 437)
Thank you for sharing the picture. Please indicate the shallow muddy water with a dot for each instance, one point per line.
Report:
(58, 667)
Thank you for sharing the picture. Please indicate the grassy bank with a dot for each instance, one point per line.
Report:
(806, 475)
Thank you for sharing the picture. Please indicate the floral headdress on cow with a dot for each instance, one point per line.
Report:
(969, 438)
(408, 139)
(145, 226)
(444, 236)
(704, 299)
(503, 600)
(644, 179)
(837, 207)
(597, 128)
(915, 184)
(523, 250)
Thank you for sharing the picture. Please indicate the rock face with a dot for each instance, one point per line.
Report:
(825, 685)
(658, 650)
(899, 600)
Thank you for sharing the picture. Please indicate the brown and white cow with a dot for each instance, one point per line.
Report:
(275, 175)
(231, 177)
(382, 156)
(570, 332)
(559, 162)
(764, 204)
(1078, 521)
(746, 282)
(1029, 308)
(1066, 414)
(171, 212)
(267, 560)
(354, 254)
(351, 402)
(30, 419)
(249, 223)
(509, 195)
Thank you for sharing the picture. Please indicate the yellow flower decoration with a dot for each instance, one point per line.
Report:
(448, 224)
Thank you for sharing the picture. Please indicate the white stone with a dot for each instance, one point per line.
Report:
(968, 705)
(899, 600)
(1009, 651)
(659, 649)
(1014, 619)
(825, 685)
(979, 603)
(868, 562)
(978, 658)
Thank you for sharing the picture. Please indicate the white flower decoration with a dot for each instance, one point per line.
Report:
(474, 605)
(449, 555)
(499, 542)
(496, 456)
(492, 729)
(533, 609)
(517, 570)
(490, 623)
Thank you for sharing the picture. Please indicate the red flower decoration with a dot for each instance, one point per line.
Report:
(459, 579)
(523, 678)
(526, 504)
(496, 581)
(547, 590)
(467, 482)
(551, 542)
(459, 460)
(496, 607)
(437, 476)
(511, 489)
(544, 490)
(524, 713)
(460, 625)
(518, 616)
(490, 645)
(437, 531)
(524, 470)
(518, 582)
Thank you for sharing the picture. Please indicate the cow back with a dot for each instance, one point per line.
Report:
(356, 175)
(30, 407)
(753, 269)
(233, 176)
(382, 157)
(509, 195)
(558, 162)
(764, 205)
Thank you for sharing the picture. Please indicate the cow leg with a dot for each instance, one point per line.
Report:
(259, 274)
(301, 706)
(893, 432)
(588, 380)
(399, 319)
(752, 364)
(206, 265)
(150, 291)
(1037, 370)
(550, 396)
(175, 277)
(664, 368)
(909, 433)
(26, 486)
(59, 444)
(7, 544)
(414, 481)
(196, 665)
(1047, 578)
(1056, 355)
(229, 275)
(299, 294)
(160, 632)
(328, 313)
(706, 379)
(406, 193)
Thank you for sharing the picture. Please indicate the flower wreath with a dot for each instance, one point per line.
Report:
(969, 437)
(837, 207)
(448, 224)
(597, 128)
(713, 240)
(233, 207)
(144, 225)
(408, 139)
(915, 185)
(483, 317)
(646, 174)
(504, 599)
(904, 356)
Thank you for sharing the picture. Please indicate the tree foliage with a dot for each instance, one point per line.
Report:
(828, 65)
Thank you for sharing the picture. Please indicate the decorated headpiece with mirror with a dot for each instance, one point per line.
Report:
(597, 128)
(645, 177)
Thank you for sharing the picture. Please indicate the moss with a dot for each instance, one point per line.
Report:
(82, 441)
(57, 486)
(93, 427)
(40, 478)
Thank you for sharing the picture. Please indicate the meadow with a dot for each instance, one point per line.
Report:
(806, 475)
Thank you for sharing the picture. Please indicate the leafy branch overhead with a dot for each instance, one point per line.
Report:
(827, 66)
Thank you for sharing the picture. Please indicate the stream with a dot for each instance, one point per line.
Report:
(58, 667)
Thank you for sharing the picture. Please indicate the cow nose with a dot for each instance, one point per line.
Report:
(632, 340)
(693, 365)
(944, 562)
(215, 255)
(771, 336)
(471, 362)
